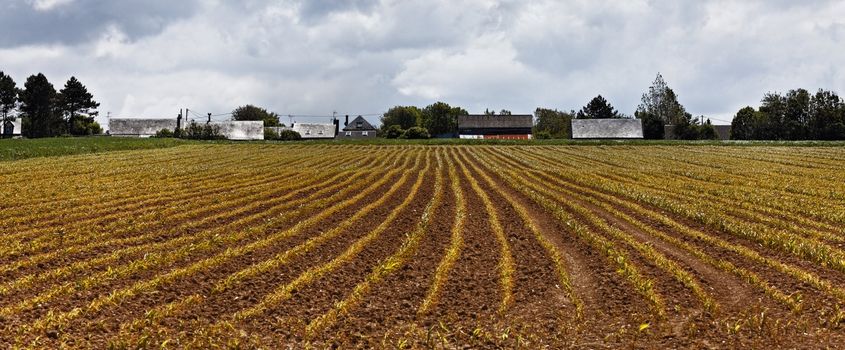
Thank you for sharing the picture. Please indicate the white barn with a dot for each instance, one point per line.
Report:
(607, 129)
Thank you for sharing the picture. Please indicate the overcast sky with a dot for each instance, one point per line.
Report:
(149, 58)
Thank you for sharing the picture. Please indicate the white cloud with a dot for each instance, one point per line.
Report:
(364, 56)
(46, 5)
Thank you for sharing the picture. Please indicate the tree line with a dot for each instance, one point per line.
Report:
(45, 112)
(796, 115)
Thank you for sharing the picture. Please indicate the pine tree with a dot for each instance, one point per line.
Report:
(78, 108)
(8, 99)
(38, 107)
(598, 108)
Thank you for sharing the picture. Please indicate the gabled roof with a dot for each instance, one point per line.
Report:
(314, 130)
(365, 125)
(480, 121)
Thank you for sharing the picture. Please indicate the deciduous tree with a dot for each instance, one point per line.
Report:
(250, 112)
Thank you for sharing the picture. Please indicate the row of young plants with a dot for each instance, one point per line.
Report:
(138, 244)
(453, 252)
(709, 214)
(749, 206)
(236, 279)
(185, 207)
(284, 292)
(172, 251)
(585, 188)
(506, 263)
(389, 265)
(173, 216)
(56, 177)
(254, 238)
(613, 254)
(607, 229)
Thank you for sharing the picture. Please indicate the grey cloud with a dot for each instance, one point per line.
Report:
(84, 20)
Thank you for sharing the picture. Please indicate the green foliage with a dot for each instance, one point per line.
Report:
(542, 135)
(691, 129)
(403, 116)
(441, 119)
(38, 107)
(652, 125)
(8, 96)
(164, 133)
(77, 107)
(196, 131)
(250, 112)
(289, 135)
(270, 134)
(661, 102)
(797, 115)
(392, 132)
(556, 123)
(416, 133)
(598, 108)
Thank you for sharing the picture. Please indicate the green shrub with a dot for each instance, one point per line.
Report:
(164, 133)
(289, 135)
(416, 133)
(543, 135)
(270, 134)
(196, 131)
(393, 132)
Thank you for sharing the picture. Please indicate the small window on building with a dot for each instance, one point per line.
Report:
(320, 133)
(360, 125)
(348, 133)
(308, 132)
(364, 133)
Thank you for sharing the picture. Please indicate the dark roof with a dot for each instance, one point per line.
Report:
(477, 121)
(353, 125)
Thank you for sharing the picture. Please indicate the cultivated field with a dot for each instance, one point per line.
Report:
(276, 246)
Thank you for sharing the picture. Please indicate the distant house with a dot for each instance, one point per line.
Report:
(359, 128)
(503, 127)
(311, 131)
(11, 129)
(607, 129)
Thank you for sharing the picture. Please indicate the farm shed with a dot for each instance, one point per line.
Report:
(311, 131)
(359, 128)
(138, 127)
(11, 128)
(509, 127)
(607, 129)
(241, 130)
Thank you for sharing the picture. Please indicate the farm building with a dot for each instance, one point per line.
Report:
(503, 127)
(607, 129)
(722, 131)
(241, 130)
(10, 129)
(359, 128)
(138, 127)
(311, 131)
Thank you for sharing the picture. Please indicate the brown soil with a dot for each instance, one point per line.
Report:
(187, 312)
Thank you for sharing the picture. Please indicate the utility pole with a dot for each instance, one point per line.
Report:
(209, 119)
